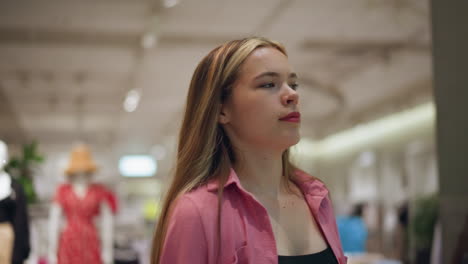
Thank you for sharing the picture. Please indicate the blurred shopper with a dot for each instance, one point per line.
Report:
(402, 232)
(353, 230)
(236, 197)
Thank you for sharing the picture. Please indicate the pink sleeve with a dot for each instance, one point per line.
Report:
(185, 238)
(108, 197)
(111, 199)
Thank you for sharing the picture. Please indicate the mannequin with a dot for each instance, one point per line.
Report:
(5, 180)
(80, 200)
(14, 226)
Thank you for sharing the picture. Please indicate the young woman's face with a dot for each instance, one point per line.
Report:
(256, 113)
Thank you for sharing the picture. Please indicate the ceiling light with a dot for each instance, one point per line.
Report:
(148, 40)
(137, 166)
(361, 136)
(170, 3)
(131, 100)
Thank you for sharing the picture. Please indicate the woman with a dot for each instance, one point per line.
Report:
(235, 197)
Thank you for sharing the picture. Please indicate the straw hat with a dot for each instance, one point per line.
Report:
(80, 161)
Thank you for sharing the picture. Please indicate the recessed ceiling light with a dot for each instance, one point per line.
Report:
(137, 166)
(132, 100)
(148, 40)
(170, 3)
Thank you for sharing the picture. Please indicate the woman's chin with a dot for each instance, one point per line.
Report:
(289, 141)
(295, 141)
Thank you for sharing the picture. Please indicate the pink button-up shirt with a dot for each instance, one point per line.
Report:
(246, 232)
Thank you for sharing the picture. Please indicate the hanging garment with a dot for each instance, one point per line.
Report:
(79, 241)
(6, 243)
(13, 213)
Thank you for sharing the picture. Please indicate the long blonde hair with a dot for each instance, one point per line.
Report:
(204, 150)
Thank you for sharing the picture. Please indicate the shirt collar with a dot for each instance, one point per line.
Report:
(213, 184)
(309, 185)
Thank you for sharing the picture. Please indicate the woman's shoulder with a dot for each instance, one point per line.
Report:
(194, 209)
(304, 177)
(198, 200)
(309, 184)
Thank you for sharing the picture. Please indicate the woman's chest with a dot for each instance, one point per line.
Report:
(295, 229)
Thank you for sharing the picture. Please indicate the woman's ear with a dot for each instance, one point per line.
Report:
(223, 115)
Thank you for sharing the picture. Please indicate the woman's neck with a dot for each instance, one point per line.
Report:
(260, 172)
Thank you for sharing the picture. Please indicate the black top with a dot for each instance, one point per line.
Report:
(13, 209)
(322, 257)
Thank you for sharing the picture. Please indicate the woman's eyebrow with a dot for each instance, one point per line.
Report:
(270, 74)
(274, 74)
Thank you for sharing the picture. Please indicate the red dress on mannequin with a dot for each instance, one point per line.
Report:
(79, 241)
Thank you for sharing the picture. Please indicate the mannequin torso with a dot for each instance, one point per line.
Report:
(82, 189)
(14, 227)
(5, 180)
(5, 185)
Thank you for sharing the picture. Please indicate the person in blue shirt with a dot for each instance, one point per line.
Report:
(353, 231)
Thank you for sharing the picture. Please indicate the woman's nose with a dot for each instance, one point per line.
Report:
(290, 97)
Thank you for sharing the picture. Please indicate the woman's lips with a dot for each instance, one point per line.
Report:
(294, 117)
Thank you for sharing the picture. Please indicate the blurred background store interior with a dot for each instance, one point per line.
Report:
(114, 74)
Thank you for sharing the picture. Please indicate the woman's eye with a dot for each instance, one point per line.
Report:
(268, 85)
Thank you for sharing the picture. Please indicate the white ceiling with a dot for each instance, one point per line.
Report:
(66, 66)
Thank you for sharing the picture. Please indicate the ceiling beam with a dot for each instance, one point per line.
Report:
(10, 129)
(63, 38)
(415, 93)
(273, 16)
(15, 36)
(329, 90)
(361, 46)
